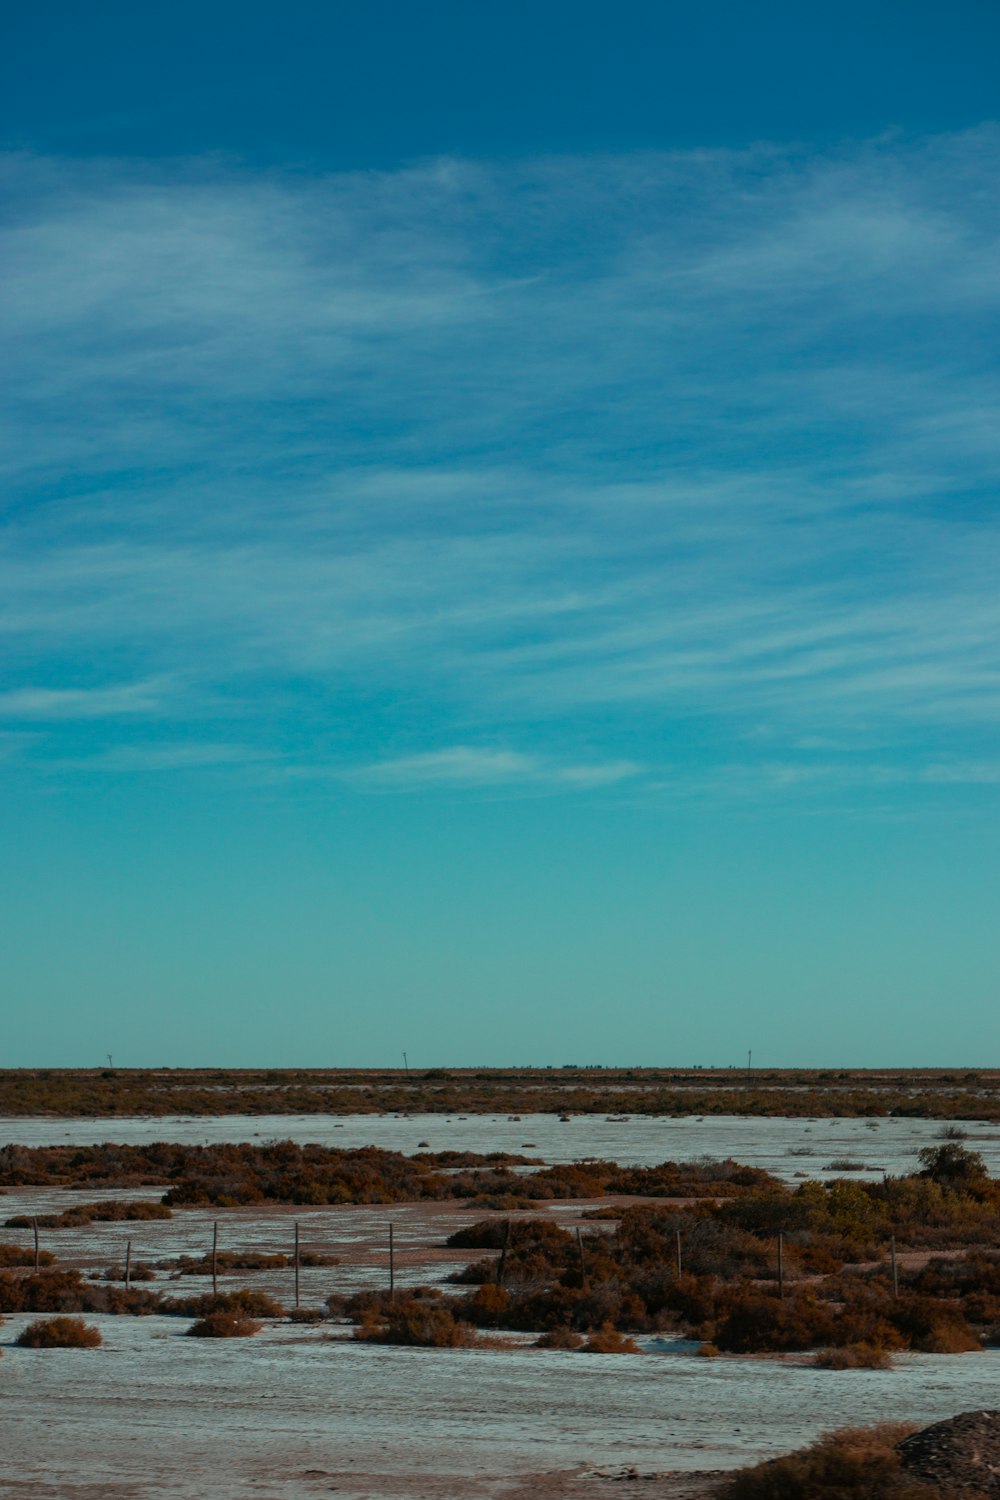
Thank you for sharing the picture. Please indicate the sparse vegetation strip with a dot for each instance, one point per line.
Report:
(946, 1094)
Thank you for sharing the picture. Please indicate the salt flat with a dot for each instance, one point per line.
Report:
(155, 1413)
(789, 1147)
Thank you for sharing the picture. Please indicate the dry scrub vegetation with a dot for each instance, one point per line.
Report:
(838, 1292)
(233, 1174)
(60, 1333)
(837, 1295)
(938, 1094)
(224, 1324)
(857, 1463)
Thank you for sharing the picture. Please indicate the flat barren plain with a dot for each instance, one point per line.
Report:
(450, 1283)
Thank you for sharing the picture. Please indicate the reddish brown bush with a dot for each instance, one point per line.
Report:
(855, 1357)
(854, 1464)
(608, 1340)
(243, 1303)
(224, 1325)
(560, 1338)
(418, 1323)
(18, 1255)
(60, 1333)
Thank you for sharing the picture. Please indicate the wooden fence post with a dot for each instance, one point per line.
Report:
(215, 1258)
(583, 1259)
(392, 1266)
(128, 1265)
(34, 1225)
(503, 1253)
(296, 1262)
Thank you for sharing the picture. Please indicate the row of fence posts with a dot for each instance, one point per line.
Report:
(501, 1262)
(679, 1257)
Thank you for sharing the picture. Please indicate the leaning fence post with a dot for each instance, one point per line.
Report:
(128, 1265)
(34, 1225)
(215, 1258)
(583, 1260)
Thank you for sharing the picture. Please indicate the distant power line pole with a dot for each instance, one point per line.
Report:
(406, 1065)
(749, 1056)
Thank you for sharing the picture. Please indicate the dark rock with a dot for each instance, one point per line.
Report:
(960, 1456)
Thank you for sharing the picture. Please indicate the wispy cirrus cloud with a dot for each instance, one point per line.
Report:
(467, 765)
(41, 704)
(643, 454)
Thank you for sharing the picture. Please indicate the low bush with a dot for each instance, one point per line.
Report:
(224, 1325)
(17, 1255)
(114, 1211)
(55, 1291)
(608, 1340)
(560, 1338)
(227, 1261)
(515, 1234)
(60, 1333)
(138, 1271)
(853, 1464)
(243, 1303)
(855, 1357)
(418, 1323)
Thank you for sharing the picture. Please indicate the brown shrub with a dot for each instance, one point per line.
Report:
(60, 1333)
(933, 1326)
(494, 1234)
(753, 1323)
(486, 1307)
(853, 1464)
(244, 1303)
(418, 1324)
(560, 1338)
(608, 1340)
(855, 1357)
(138, 1271)
(17, 1255)
(224, 1325)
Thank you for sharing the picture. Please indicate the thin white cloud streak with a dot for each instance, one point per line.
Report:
(466, 765)
(42, 703)
(702, 434)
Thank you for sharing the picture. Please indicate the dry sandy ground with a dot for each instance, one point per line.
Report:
(555, 1484)
(572, 1484)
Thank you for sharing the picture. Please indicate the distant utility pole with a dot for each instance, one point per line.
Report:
(749, 1056)
(405, 1063)
(110, 1062)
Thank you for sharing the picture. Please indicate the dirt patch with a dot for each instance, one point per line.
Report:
(553, 1484)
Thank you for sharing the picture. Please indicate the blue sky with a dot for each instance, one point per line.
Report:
(500, 541)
